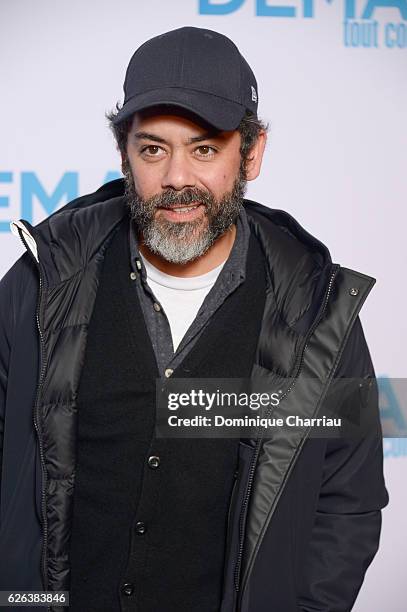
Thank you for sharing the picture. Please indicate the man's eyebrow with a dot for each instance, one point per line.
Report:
(147, 136)
(205, 136)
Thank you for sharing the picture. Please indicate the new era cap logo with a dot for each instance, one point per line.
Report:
(254, 94)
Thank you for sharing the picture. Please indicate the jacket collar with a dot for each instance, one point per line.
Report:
(68, 239)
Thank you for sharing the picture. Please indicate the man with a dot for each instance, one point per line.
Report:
(171, 273)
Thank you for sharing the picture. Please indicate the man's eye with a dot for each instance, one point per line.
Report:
(151, 150)
(206, 150)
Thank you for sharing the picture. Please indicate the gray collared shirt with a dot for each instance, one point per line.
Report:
(230, 277)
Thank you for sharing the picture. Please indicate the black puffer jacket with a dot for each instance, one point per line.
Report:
(304, 519)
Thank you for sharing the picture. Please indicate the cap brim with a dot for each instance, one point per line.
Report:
(222, 114)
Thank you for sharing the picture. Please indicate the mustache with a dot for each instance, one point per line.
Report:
(171, 198)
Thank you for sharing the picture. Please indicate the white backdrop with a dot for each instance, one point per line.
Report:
(332, 81)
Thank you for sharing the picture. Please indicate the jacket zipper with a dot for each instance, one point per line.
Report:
(243, 514)
(252, 470)
(37, 429)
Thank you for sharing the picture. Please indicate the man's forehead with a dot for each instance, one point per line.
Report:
(167, 115)
(178, 127)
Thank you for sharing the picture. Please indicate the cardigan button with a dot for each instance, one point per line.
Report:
(128, 589)
(140, 527)
(153, 462)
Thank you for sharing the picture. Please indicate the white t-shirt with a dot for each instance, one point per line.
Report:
(180, 297)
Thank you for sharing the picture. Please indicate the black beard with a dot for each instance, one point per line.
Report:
(183, 241)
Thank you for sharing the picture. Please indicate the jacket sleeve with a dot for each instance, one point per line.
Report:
(346, 532)
(6, 325)
(11, 292)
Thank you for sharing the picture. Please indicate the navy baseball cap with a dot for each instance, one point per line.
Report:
(199, 70)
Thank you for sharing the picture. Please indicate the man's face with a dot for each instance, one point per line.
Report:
(184, 183)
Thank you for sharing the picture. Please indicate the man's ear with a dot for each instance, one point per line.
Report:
(255, 157)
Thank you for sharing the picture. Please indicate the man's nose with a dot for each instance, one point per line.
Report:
(178, 172)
